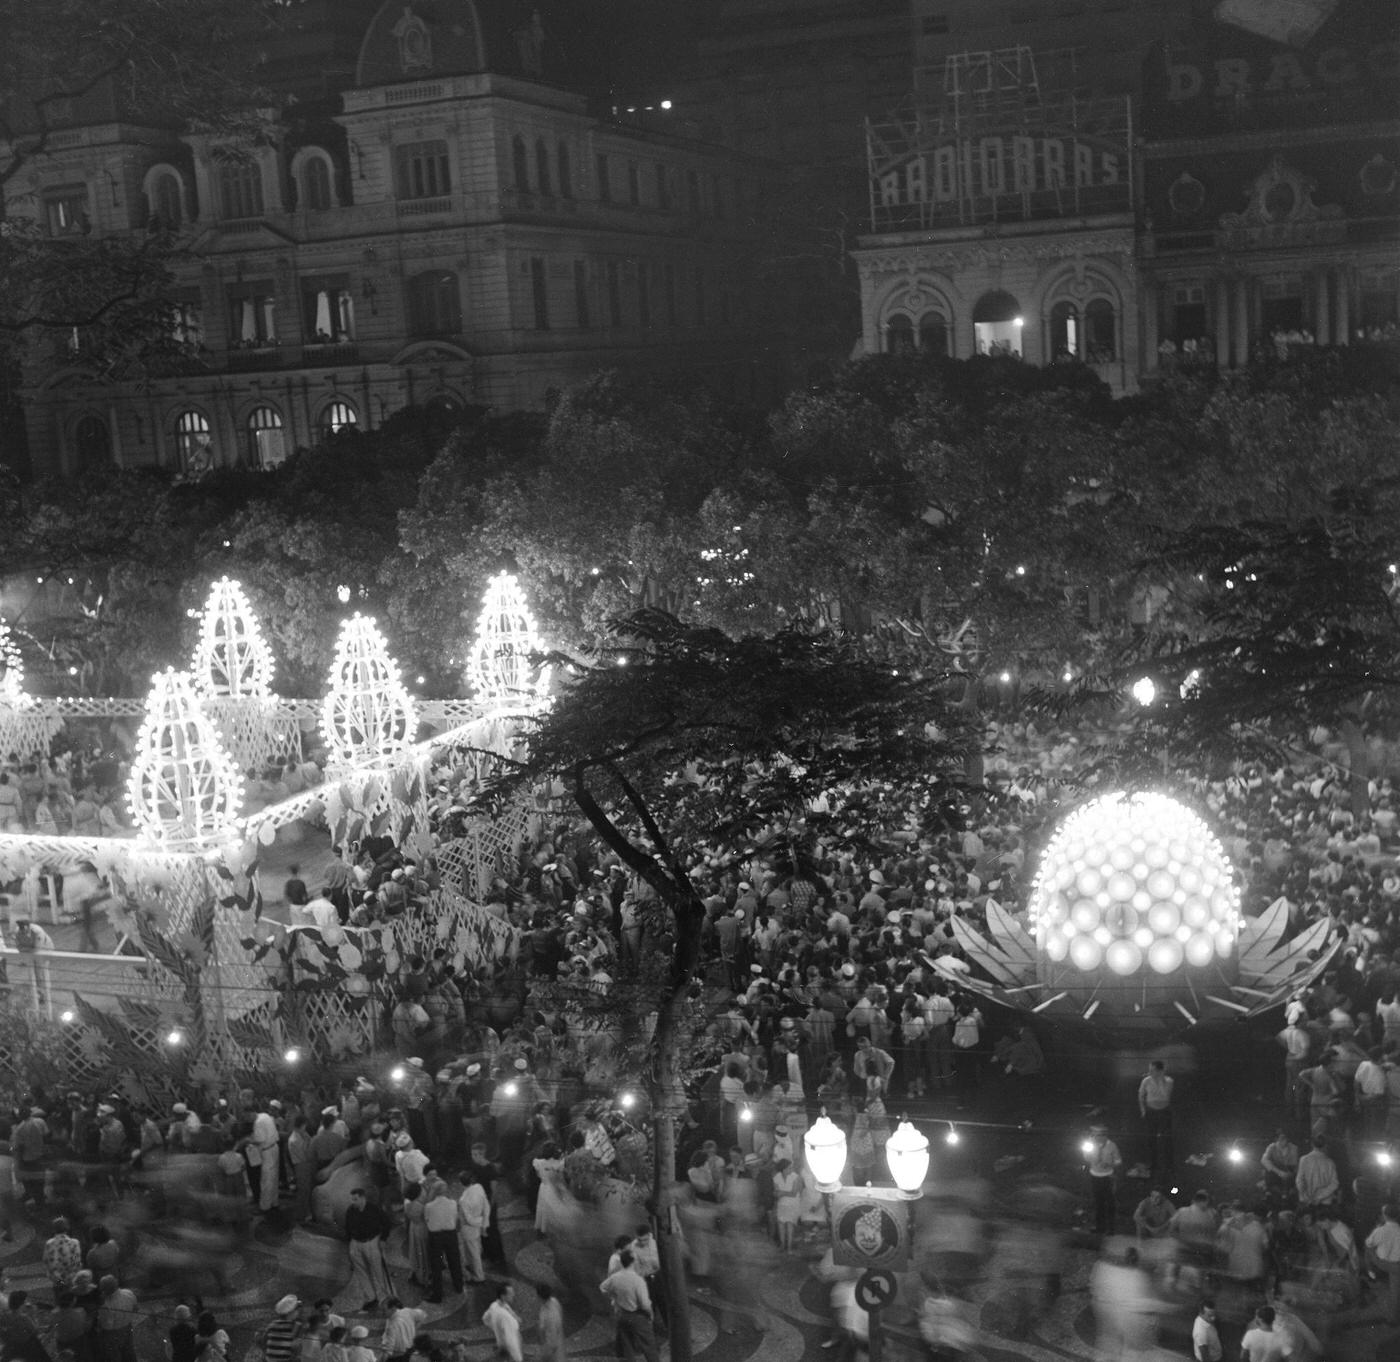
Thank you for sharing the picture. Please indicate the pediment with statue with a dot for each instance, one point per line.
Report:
(1281, 212)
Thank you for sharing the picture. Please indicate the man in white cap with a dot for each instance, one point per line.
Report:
(263, 1154)
(357, 1347)
(280, 1338)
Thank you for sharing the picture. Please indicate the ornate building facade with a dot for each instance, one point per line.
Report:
(1242, 197)
(448, 225)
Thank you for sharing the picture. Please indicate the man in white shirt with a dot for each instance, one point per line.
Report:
(1318, 1180)
(504, 1323)
(1205, 1337)
(441, 1216)
(475, 1208)
(1103, 1160)
(266, 1142)
(320, 913)
(401, 1328)
(1155, 1105)
(631, 1301)
(1383, 1256)
(1261, 1343)
(1369, 1094)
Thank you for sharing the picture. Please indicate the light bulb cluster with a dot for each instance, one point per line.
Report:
(12, 690)
(231, 659)
(367, 713)
(1134, 881)
(500, 666)
(184, 791)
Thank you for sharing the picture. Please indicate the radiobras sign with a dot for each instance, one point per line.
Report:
(975, 169)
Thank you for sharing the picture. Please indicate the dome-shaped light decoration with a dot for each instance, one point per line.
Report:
(500, 669)
(825, 1146)
(232, 659)
(367, 715)
(184, 790)
(12, 690)
(906, 1152)
(1134, 883)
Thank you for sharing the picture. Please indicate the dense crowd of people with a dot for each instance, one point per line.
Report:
(830, 986)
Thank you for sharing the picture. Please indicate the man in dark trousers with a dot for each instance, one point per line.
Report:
(366, 1226)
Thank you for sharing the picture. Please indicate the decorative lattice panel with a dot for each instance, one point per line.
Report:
(367, 715)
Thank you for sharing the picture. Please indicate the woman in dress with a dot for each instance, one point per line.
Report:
(417, 1233)
(548, 1169)
(787, 1194)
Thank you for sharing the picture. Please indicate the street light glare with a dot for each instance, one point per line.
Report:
(1144, 691)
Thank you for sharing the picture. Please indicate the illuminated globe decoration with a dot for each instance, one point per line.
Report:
(367, 714)
(1134, 885)
(184, 790)
(231, 659)
(500, 663)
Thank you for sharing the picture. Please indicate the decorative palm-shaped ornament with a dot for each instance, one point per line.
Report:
(367, 714)
(500, 665)
(232, 659)
(184, 791)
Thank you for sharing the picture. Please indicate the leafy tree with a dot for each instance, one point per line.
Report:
(681, 743)
(1266, 522)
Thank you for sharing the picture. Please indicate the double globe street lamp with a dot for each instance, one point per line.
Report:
(906, 1153)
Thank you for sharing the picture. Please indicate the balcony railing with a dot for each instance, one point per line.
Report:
(334, 352)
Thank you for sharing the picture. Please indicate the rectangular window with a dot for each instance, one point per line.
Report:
(584, 321)
(434, 303)
(643, 293)
(66, 211)
(422, 170)
(604, 179)
(187, 323)
(252, 313)
(614, 294)
(668, 277)
(634, 184)
(240, 190)
(328, 310)
(539, 291)
(663, 187)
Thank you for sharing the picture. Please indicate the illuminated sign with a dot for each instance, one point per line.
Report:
(1280, 73)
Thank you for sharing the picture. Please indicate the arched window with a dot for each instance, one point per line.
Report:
(194, 442)
(899, 335)
(338, 415)
(541, 167)
(316, 184)
(520, 160)
(240, 189)
(998, 322)
(266, 439)
(92, 443)
(1066, 335)
(167, 201)
(565, 175)
(434, 303)
(1100, 332)
(933, 334)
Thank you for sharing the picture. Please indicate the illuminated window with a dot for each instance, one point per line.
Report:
(193, 441)
(66, 211)
(328, 310)
(338, 415)
(998, 324)
(267, 441)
